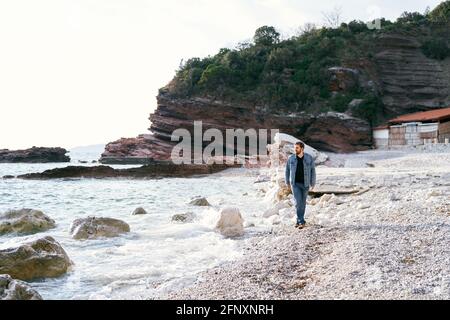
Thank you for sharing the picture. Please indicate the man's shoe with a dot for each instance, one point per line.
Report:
(301, 226)
(297, 226)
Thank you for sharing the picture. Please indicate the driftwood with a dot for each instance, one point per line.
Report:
(321, 190)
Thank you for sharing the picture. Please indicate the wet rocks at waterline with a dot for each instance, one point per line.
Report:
(200, 202)
(12, 289)
(139, 212)
(25, 221)
(183, 217)
(93, 228)
(42, 258)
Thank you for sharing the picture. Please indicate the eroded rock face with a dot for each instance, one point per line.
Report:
(42, 258)
(25, 221)
(329, 131)
(140, 150)
(93, 228)
(346, 133)
(231, 223)
(409, 80)
(34, 155)
(11, 289)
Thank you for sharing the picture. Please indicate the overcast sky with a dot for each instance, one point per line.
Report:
(80, 72)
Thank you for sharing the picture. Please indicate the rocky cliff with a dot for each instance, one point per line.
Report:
(329, 131)
(399, 74)
(409, 81)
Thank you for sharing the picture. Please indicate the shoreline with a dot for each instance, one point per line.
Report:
(367, 245)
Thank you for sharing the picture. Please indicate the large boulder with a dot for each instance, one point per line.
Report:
(25, 221)
(11, 289)
(42, 258)
(231, 223)
(285, 143)
(93, 228)
(273, 211)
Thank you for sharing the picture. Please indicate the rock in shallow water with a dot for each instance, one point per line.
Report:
(152, 170)
(184, 217)
(231, 223)
(200, 202)
(11, 289)
(42, 258)
(139, 211)
(93, 228)
(25, 221)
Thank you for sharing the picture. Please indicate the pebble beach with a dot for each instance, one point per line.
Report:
(388, 242)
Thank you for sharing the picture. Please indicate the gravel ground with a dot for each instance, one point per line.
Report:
(391, 242)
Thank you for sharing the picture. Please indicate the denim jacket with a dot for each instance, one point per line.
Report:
(309, 168)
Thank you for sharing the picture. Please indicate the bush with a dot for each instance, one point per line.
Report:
(441, 13)
(357, 26)
(370, 110)
(411, 18)
(436, 49)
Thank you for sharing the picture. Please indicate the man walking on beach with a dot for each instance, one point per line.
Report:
(300, 176)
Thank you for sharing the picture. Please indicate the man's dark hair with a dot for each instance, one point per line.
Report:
(301, 144)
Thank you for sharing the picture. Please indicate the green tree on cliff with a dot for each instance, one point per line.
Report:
(266, 36)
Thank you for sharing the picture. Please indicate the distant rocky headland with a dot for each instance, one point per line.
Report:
(326, 86)
(34, 155)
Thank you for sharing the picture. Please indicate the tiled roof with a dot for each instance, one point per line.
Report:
(432, 115)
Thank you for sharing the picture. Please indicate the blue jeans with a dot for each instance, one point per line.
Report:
(300, 195)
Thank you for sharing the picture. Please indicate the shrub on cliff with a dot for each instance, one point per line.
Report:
(371, 109)
(436, 49)
(441, 13)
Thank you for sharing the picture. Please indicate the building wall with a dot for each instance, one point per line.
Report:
(444, 131)
(412, 134)
(428, 131)
(381, 138)
(397, 136)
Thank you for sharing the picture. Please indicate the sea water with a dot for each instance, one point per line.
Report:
(158, 255)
